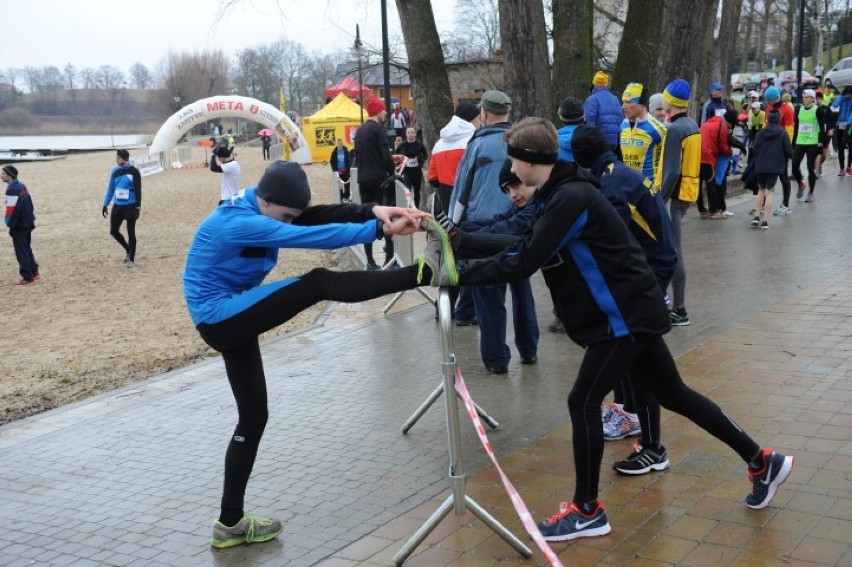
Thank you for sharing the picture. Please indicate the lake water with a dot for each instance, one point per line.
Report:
(92, 142)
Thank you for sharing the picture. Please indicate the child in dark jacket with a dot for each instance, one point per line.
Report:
(772, 149)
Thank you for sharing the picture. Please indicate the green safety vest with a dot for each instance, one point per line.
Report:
(808, 134)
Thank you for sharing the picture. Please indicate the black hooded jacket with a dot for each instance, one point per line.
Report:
(772, 149)
(597, 274)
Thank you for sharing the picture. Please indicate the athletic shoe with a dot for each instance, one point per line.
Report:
(755, 222)
(801, 190)
(466, 322)
(497, 369)
(842, 173)
(438, 256)
(608, 413)
(22, 282)
(621, 426)
(728, 213)
(752, 212)
(129, 264)
(765, 482)
(809, 198)
(764, 225)
(36, 277)
(126, 259)
(777, 212)
(716, 216)
(788, 210)
(556, 326)
(250, 529)
(570, 524)
(849, 170)
(643, 461)
(529, 360)
(678, 317)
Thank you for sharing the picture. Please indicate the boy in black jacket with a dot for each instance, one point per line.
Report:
(772, 149)
(610, 302)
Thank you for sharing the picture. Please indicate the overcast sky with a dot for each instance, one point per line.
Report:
(90, 33)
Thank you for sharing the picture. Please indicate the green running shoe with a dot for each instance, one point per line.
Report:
(250, 529)
(438, 256)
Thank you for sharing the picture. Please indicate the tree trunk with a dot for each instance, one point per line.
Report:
(638, 49)
(747, 42)
(572, 58)
(792, 8)
(681, 51)
(430, 84)
(727, 40)
(526, 66)
(761, 45)
(708, 70)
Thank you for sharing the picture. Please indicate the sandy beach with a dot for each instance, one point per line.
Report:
(90, 324)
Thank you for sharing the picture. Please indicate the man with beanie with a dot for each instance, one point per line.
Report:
(449, 149)
(374, 163)
(443, 166)
(571, 114)
(124, 191)
(678, 180)
(477, 197)
(809, 131)
(230, 170)
(773, 101)
(517, 220)
(655, 107)
(603, 110)
(233, 251)
(20, 220)
(644, 213)
(714, 105)
(642, 135)
(772, 150)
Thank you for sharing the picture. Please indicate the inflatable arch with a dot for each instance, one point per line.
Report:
(206, 109)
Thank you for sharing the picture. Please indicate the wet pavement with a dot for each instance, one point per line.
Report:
(133, 477)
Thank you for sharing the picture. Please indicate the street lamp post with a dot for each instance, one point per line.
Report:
(176, 100)
(357, 48)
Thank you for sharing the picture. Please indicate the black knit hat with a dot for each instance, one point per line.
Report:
(588, 144)
(774, 117)
(571, 110)
(123, 154)
(467, 111)
(285, 183)
(507, 178)
(222, 151)
(11, 171)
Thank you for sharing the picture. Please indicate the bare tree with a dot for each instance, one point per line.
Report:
(638, 50)
(526, 66)
(69, 74)
(32, 78)
(191, 77)
(477, 31)
(88, 78)
(11, 75)
(109, 78)
(52, 79)
(430, 84)
(726, 41)
(140, 77)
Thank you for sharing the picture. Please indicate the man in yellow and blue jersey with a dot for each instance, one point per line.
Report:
(641, 137)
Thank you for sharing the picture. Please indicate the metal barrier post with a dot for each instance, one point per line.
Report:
(457, 500)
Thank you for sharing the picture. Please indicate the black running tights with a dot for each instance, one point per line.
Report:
(650, 364)
(119, 214)
(236, 338)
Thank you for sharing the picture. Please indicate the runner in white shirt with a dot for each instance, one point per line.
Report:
(230, 170)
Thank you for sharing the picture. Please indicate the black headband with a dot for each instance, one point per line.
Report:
(530, 156)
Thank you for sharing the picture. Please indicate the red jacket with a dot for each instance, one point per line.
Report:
(714, 140)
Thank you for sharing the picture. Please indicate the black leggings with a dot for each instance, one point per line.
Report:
(652, 369)
(812, 153)
(236, 338)
(119, 214)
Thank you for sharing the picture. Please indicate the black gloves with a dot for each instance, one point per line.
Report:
(104, 211)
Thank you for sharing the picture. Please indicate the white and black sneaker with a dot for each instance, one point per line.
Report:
(642, 461)
(765, 482)
(570, 523)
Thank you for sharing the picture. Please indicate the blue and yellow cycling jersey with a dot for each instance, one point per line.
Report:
(641, 143)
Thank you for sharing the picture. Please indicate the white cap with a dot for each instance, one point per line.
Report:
(754, 94)
(755, 104)
(809, 92)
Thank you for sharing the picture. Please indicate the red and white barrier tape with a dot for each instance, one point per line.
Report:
(514, 496)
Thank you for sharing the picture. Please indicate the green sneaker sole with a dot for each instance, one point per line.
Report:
(449, 259)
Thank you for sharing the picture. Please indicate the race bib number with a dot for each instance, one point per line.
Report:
(122, 194)
(841, 125)
(720, 112)
(411, 162)
(806, 128)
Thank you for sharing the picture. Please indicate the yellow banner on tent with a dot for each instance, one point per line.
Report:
(338, 120)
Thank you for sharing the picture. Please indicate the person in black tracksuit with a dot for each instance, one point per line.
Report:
(611, 304)
(375, 165)
(415, 158)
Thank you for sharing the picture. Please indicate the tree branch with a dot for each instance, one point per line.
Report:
(609, 15)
